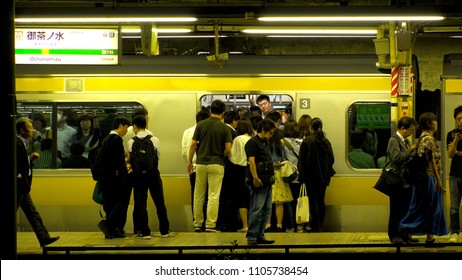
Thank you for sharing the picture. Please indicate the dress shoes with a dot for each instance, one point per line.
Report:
(118, 233)
(104, 228)
(48, 241)
(252, 242)
(265, 241)
(410, 239)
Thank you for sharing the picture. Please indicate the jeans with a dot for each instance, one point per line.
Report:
(455, 184)
(259, 211)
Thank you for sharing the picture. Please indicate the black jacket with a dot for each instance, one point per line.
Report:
(23, 165)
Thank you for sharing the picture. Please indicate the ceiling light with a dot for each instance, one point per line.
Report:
(187, 36)
(443, 29)
(158, 30)
(312, 31)
(105, 20)
(354, 18)
(321, 36)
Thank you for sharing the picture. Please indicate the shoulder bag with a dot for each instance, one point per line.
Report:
(303, 207)
(388, 181)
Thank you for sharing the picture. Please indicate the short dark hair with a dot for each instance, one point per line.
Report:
(202, 115)
(406, 122)
(120, 120)
(255, 121)
(231, 116)
(266, 125)
(457, 111)
(274, 116)
(217, 107)
(139, 121)
(263, 97)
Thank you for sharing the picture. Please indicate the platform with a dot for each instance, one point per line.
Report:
(226, 245)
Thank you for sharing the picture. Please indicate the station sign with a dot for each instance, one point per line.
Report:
(66, 46)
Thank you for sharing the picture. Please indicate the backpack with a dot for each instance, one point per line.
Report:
(97, 159)
(97, 164)
(143, 157)
(414, 169)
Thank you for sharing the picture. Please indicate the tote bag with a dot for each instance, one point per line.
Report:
(303, 207)
(98, 193)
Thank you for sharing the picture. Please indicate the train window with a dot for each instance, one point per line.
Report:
(66, 134)
(281, 102)
(368, 134)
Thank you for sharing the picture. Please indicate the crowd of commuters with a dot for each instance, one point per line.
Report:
(223, 151)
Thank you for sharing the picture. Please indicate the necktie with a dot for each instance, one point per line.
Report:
(408, 144)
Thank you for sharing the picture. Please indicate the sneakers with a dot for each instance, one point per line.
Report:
(454, 237)
(212, 230)
(168, 234)
(197, 229)
(145, 237)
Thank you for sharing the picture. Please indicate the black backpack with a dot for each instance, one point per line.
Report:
(97, 165)
(143, 157)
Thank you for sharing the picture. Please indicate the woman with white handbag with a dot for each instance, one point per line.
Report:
(315, 168)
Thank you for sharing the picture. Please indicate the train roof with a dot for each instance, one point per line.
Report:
(235, 65)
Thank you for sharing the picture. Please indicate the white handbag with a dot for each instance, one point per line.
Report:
(303, 206)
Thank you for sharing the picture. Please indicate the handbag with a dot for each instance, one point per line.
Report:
(389, 181)
(303, 206)
(288, 172)
(98, 193)
(265, 171)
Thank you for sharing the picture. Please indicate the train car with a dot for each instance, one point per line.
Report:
(347, 92)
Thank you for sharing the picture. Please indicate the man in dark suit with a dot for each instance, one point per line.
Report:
(116, 190)
(398, 150)
(25, 131)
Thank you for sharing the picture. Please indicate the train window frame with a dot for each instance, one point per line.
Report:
(50, 111)
(279, 101)
(373, 132)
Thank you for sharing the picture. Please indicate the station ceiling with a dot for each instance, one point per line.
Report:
(229, 18)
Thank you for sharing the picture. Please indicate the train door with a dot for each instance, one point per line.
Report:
(451, 99)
